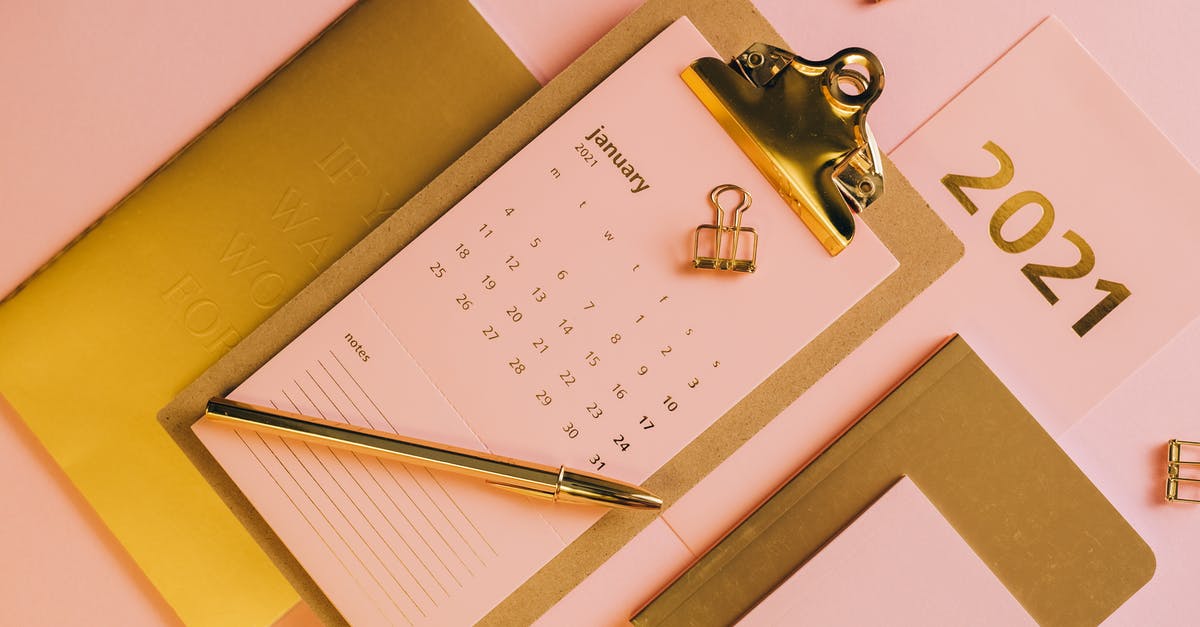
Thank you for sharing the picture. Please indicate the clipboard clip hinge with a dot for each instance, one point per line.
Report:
(803, 124)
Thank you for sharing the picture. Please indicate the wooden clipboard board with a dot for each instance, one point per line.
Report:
(924, 247)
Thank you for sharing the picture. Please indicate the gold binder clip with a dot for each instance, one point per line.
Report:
(723, 234)
(1177, 466)
(803, 124)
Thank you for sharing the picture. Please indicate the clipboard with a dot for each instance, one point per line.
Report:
(924, 247)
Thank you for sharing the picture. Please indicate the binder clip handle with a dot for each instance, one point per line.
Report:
(743, 202)
(844, 69)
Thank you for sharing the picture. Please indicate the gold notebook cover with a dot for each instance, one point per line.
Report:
(206, 248)
(913, 233)
(1049, 535)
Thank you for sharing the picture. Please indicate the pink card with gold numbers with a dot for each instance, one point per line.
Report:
(1079, 220)
(552, 315)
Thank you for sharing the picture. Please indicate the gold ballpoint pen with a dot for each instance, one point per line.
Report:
(531, 479)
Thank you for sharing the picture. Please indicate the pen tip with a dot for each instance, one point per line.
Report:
(581, 487)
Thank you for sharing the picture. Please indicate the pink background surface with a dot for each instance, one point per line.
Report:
(96, 98)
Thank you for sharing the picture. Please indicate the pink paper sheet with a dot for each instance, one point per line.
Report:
(907, 566)
(644, 565)
(552, 315)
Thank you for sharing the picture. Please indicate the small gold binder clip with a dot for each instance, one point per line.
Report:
(722, 235)
(803, 124)
(1181, 470)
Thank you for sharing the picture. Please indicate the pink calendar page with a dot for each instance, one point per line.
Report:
(552, 315)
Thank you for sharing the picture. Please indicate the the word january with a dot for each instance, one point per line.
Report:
(622, 164)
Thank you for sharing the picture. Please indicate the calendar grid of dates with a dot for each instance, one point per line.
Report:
(602, 358)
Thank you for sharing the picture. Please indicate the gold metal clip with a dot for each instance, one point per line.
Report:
(803, 124)
(723, 234)
(1178, 470)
